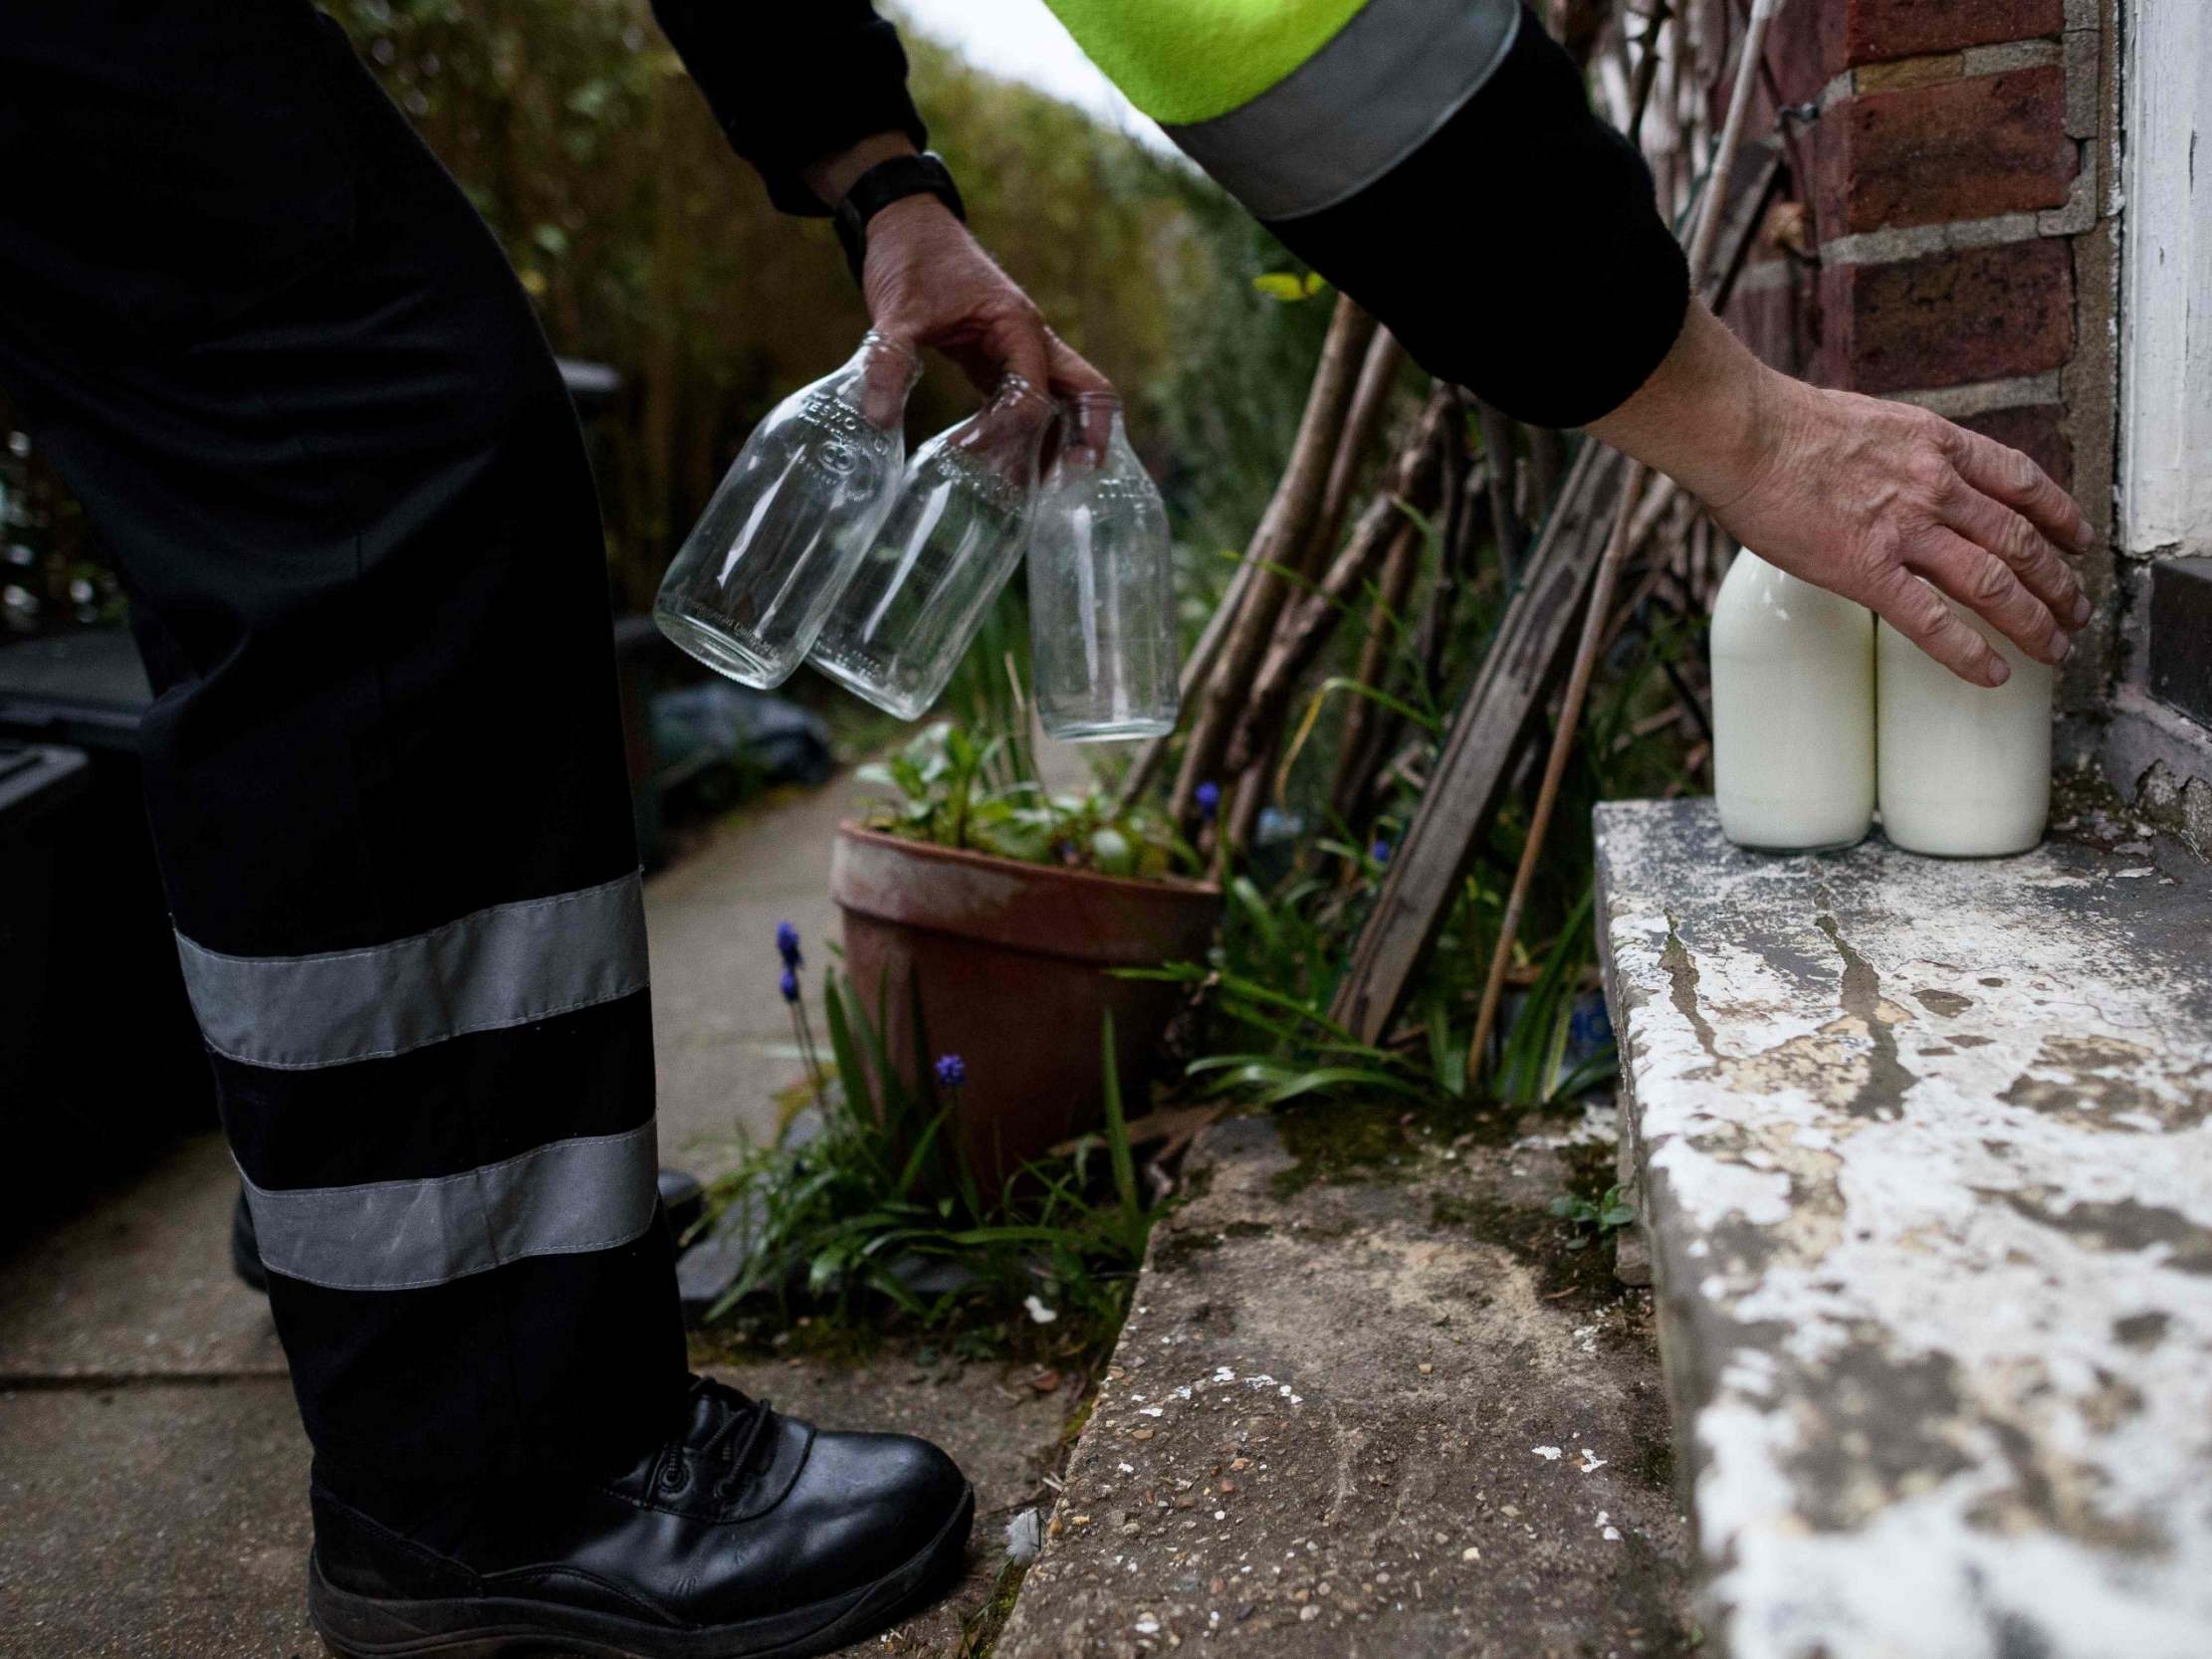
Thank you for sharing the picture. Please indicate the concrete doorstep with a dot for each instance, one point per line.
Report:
(1379, 1409)
(1926, 1148)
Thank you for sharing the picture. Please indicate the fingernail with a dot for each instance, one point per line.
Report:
(2081, 609)
(2062, 647)
(1999, 670)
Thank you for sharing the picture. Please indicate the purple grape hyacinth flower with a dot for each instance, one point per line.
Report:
(1380, 852)
(789, 985)
(787, 944)
(1209, 798)
(952, 1070)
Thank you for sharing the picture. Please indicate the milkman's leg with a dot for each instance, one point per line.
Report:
(266, 339)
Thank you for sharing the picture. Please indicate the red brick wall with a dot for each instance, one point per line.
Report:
(1950, 242)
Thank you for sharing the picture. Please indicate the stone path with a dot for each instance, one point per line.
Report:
(1928, 1149)
(152, 1473)
(1380, 1410)
(722, 1035)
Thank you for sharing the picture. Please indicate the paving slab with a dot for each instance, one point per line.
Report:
(1926, 1148)
(153, 1520)
(1388, 1410)
(139, 1284)
(169, 1521)
(722, 1034)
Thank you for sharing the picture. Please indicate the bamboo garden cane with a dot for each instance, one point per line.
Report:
(1709, 209)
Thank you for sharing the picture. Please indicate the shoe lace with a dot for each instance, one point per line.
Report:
(739, 1416)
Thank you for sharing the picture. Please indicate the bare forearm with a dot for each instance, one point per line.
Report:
(1699, 416)
(1873, 499)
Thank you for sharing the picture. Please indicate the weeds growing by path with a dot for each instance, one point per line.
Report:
(863, 1214)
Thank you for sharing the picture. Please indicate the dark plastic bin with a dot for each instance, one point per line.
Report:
(116, 1050)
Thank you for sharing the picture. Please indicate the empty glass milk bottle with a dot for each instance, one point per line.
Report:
(955, 535)
(1102, 646)
(796, 513)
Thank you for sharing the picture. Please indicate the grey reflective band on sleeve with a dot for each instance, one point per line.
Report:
(1370, 97)
(561, 1199)
(503, 967)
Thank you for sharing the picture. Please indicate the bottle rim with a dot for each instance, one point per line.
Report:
(1015, 389)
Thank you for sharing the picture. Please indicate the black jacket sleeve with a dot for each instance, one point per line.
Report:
(1518, 252)
(791, 83)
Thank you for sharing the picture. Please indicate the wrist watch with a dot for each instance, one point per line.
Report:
(887, 182)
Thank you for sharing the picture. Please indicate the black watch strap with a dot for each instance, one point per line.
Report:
(887, 182)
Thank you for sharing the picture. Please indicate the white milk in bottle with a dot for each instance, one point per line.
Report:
(1965, 769)
(1793, 670)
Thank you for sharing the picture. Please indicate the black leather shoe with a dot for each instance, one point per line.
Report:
(751, 1534)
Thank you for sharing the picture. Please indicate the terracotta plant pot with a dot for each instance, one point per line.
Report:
(1012, 960)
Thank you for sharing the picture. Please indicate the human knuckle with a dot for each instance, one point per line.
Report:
(1946, 439)
(1992, 581)
(1924, 613)
(2021, 547)
(1881, 548)
(1925, 464)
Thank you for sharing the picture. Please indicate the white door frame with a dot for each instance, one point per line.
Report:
(2164, 479)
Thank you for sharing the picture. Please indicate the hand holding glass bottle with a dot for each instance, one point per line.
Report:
(816, 548)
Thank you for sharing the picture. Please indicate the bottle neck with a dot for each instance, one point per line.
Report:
(1090, 429)
(1013, 424)
(879, 379)
(1016, 399)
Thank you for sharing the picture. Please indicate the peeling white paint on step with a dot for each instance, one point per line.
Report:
(1928, 1160)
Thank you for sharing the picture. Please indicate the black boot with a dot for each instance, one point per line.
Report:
(749, 1534)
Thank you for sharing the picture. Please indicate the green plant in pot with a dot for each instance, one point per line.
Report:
(1002, 911)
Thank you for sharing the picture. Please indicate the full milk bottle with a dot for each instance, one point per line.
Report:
(1965, 769)
(1793, 672)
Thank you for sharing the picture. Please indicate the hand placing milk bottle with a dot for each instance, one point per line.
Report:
(1793, 672)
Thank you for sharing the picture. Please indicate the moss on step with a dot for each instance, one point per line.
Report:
(1340, 1140)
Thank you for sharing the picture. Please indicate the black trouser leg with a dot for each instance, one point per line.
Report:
(270, 347)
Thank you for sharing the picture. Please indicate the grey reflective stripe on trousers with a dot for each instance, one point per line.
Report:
(507, 966)
(1353, 110)
(591, 1194)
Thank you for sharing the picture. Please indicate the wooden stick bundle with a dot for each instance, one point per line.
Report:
(1276, 545)
(1309, 623)
(1702, 240)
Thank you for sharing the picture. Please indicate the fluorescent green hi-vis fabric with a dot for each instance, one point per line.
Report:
(1295, 105)
(1186, 61)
